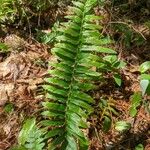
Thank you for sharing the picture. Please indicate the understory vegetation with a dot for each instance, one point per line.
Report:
(74, 75)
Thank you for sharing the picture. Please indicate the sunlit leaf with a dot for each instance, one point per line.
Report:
(144, 86)
(139, 147)
(145, 66)
(122, 126)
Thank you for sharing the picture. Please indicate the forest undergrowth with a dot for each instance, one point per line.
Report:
(117, 79)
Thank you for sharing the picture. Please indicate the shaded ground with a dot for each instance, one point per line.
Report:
(21, 75)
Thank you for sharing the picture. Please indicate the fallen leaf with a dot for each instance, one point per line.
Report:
(5, 92)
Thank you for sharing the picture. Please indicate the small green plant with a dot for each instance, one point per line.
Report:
(145, 78)
(122, 126)
(3, 48)
(136, 100)
(107, 110)
(139, 147)
(30, 137)
(9, 108)
(7, 10)
(114, 65)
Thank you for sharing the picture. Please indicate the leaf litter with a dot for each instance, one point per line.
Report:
(20, 81)
(21, 76)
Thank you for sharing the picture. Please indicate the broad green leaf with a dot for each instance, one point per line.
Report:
(122, 126)
(121, 65)
(133, 111)
(136, 99)
(145, 77)
(106, 124)
(145, 66)
(81, 69)
(144, 86)
(118, 80)
(139, 147)
(148, 90)
(93, 73)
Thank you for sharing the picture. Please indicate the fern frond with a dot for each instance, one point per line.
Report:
(68, 104)
(30, 137)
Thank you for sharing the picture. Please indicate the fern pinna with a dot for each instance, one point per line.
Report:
(68, 104)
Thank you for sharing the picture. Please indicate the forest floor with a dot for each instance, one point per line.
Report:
(22, 71)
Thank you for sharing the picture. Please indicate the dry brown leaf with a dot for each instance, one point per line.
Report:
(11, 67)
(33, 55)
(5, 92)
(14, 42)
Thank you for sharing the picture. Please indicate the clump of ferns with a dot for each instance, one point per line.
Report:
(68, 102)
